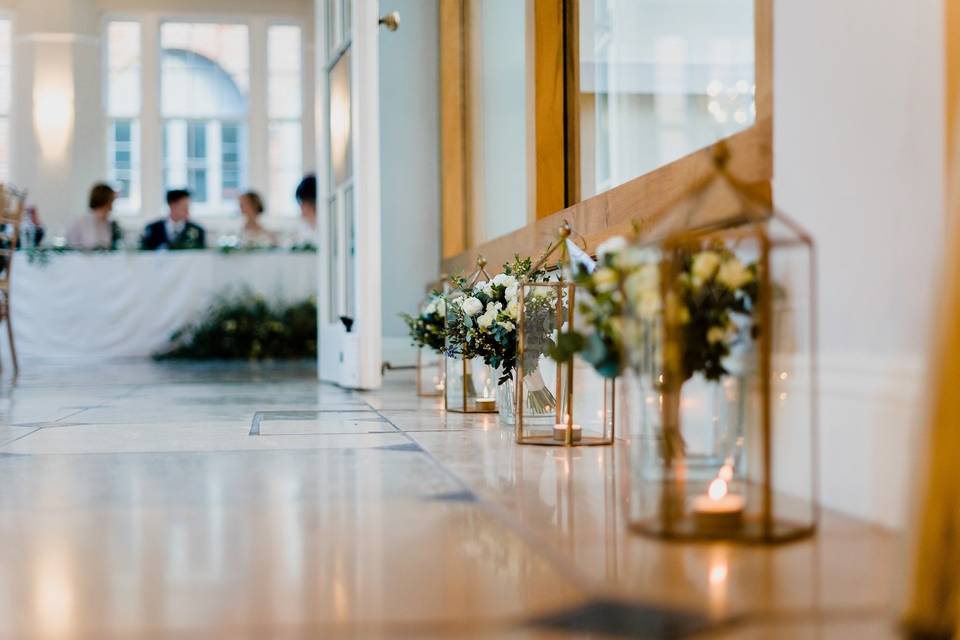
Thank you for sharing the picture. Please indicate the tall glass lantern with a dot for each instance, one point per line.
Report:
(430, 369)
(470, 386)
(559, 400)
(723, 399)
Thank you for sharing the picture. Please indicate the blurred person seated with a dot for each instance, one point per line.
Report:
(31, 229)
(95, 229)
(176, 232)
(306, 234)
(254, 234)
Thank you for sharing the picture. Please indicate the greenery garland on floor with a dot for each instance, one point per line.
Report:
(245, 326)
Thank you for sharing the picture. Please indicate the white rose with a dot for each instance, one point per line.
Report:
(471, 306)
(606, 279)
(734, 274)
(705, 265)
(513, 308)
(631, 258)
(643, 281)
(512, 292)
(494, 307)
(503, 280)
(611, 245)
(442, 307)
(486, 320)
(431, 308)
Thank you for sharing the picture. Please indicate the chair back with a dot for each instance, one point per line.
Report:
(11, 218)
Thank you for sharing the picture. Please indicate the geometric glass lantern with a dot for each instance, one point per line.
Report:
(430, 373)
(723, 400)
(470, 386)
(581, 409)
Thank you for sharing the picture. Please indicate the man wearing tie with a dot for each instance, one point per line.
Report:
(175, 231)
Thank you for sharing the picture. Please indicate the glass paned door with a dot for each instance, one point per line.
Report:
(349, 187)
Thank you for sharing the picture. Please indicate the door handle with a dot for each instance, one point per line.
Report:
(391, 21)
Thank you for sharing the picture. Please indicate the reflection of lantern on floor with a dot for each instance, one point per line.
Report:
(430, 374)
(723, 442)
(470, 386)
(562, 403)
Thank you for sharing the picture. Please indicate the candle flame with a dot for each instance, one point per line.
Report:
(718, 489)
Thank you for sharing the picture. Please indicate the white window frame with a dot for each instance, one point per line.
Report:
(301, 120)
(11, 134)
(257, 120)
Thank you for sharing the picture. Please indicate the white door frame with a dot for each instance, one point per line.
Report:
(353, 359)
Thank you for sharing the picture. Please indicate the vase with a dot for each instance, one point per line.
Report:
(539, 404)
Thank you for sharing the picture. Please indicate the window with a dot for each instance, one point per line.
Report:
(213, 102)
(285, 110)
(659, 80)
(123, 112)
(205, 87)
(5, 71)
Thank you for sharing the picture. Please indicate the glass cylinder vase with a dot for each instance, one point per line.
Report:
(538, 402)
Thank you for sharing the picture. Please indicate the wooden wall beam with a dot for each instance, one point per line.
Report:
(549, 88)
(612, 212)
(454, 165)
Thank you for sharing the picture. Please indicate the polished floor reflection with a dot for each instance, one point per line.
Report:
(236, 501)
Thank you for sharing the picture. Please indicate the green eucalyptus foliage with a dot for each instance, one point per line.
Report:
(246, 327)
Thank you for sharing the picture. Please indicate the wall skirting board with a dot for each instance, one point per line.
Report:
(872, 422)
(398, 351)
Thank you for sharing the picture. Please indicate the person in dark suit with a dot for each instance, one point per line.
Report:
(175, 231)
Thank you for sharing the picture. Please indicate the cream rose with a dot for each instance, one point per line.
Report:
(471, 306)
(606, 279)
(705, 265)
(612, 245)
(734, 274)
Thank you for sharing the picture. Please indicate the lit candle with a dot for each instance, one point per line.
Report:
(560, 431)
(486, 401)
(486, 404)
(718, 512)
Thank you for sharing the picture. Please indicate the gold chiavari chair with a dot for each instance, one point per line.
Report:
(11, 216)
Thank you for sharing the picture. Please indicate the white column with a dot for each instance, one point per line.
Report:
(57, 129)
(151, 132)
(259, 139)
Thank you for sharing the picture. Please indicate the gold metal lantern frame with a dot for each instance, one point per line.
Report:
(430, 372)
(470, 385)
(585, 403)
(724, 442)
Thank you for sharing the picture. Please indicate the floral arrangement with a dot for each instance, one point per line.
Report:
(482, 322)
(712, 301)
(245, 326)
(427, 329)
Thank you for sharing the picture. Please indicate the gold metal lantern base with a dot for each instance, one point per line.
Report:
(752, 531)
(677, 518)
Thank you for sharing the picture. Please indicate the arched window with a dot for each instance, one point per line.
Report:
(205, 82)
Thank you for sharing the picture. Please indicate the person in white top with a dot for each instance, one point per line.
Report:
(95, 229)
(254, 234)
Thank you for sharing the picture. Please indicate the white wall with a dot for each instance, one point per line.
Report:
(409, 165)
(858, 147)
(58, 42)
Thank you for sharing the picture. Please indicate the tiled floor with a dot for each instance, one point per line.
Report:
(236, 501)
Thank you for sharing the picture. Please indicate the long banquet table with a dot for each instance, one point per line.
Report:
(128, 303)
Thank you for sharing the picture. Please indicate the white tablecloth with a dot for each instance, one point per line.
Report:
(128, 304)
